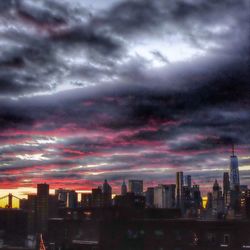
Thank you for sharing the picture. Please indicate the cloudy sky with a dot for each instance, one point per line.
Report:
(122, 89)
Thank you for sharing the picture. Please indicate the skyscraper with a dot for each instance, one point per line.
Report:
(164, 196)
(62, 195)
(68, 198)
(135, 186)
(226, 183)
(179, 188)
(217, 199)
(188, 181)
(150, 197)
(86, 200)
(97, 197)
(72, 199)
(107, 193)
(234, 171)
(123, 188)
(42, 207)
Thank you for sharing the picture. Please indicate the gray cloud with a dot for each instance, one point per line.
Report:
(134, 108)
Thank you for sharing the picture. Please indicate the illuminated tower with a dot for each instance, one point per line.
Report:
(234, 171)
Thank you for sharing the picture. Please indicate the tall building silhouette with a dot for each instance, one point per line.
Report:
(67, 198)
(42, 207)
(123, 188)
(135, 186)
(188, 181)
(164, 196)
(72, 199)
(179, 188)
(150, 197)
(226, 183)
(217, 199)
(97, 197)
(226, 189)
(234, 171)
(107, 193)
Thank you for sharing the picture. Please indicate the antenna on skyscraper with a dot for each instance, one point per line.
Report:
(233, 149)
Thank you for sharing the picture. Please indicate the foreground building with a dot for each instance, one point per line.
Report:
(145, 229)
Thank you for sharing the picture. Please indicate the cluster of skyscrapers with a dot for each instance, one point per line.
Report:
(232, 198)
(65, 214)
(182, 195)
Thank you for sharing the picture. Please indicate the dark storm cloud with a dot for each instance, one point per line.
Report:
(137, 120)
(42, 36)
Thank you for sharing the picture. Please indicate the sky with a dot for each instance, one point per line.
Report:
(136, 89)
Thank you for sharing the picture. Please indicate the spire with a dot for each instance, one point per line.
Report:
(233, 149)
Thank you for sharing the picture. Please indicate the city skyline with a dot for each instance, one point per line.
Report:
(122, 90)
(139, 187)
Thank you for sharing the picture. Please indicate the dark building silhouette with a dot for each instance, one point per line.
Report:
(67, 198)
(150, 197)
(62, 195)
(188, 181)
(86, 200)
(196, 197)
(179, 189)
(13, 226)
(226, 189)
(146, 229)
(130, 200)
(135, 186)
(72, 201)
(217, 199)
(107, 194)
(187, 201)
(164, 196)
(234, 171)
(97, 197)
(42, 207)
(209, 204)
(123, 188)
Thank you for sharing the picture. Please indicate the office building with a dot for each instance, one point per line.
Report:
(130, 200)
(86, 200)
(107, 193)
(164, 196)
(188, 181)
(67, 198)
(135, 186)
(234, 171)
(196, 197)
(217, 199)
(62, 195)
(42, 207)
(150, 197)
(179, 189)
(226, 189)
(72, 199)
(123, 188)
(97, 197)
